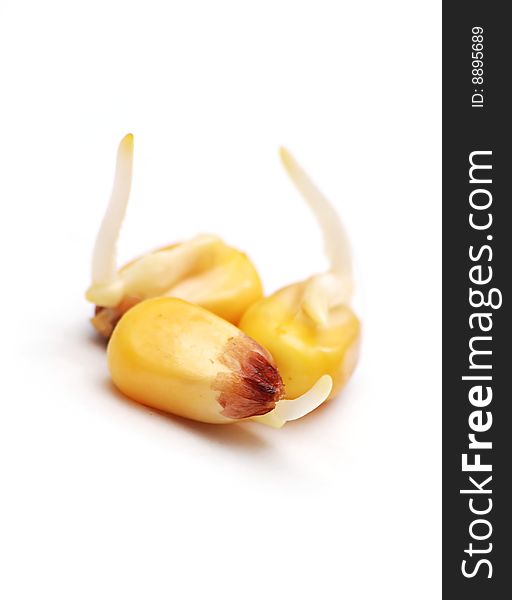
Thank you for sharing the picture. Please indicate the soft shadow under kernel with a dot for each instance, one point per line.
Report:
(236, 434)
(93, 338)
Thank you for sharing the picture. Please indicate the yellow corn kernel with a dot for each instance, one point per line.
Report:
(303, 349)
(180, 358)
(308, 327)
(203, 270)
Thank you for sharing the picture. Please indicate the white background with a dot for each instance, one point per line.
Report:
(101, 498)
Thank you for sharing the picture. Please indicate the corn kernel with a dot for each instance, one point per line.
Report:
(303, 349)
(180, 358)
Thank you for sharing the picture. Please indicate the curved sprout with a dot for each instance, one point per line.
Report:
(334, 287)
(104, 259)
(291, 410)
(151, 274)
(337, 245)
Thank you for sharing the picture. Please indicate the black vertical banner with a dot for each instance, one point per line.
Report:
(477, 330)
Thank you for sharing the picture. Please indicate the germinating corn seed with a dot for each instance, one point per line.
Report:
(309, 326)
(180, 358)
(170, 317)
(203, 270)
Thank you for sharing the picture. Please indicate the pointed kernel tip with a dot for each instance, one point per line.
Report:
(253, 385)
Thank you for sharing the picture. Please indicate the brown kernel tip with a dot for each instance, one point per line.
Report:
(106, 318)
(254, 385)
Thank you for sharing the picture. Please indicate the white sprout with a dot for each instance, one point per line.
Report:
(291, 410)
(150, 275)
(104, 258)
(336, 286)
